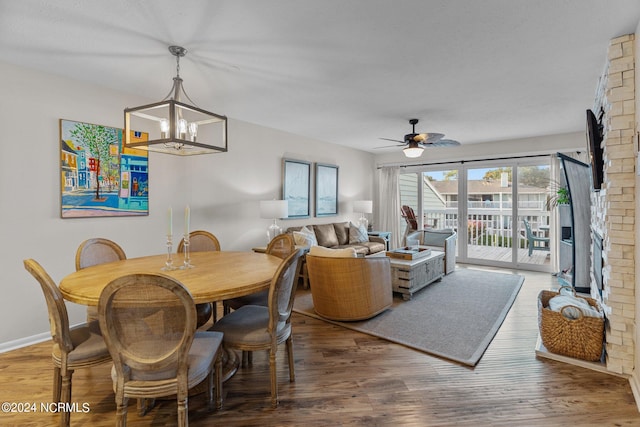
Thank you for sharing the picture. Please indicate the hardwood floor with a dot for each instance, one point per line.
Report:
(345, 378)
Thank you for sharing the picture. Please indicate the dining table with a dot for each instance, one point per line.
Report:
(213, 276)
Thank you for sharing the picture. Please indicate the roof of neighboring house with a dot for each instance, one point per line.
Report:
(481, 186)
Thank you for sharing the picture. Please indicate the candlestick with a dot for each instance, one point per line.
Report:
(170, 222)
(168, 265)
(187, 219)
(187, 258)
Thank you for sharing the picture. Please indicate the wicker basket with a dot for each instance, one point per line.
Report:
(580, 338)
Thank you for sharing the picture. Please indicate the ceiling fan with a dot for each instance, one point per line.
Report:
(415, 143)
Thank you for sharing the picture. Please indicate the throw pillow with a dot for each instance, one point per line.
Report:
(321, 251)
(326, 235)
(305, 237)
(357, 234)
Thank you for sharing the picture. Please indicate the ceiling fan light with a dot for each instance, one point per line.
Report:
(413, 150)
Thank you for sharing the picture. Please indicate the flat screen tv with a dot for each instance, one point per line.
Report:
(594, 141)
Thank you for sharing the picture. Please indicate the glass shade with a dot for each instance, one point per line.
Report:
(413, 150)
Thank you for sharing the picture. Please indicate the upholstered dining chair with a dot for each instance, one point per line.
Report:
(149, 325)
(80, 347)
(255, 327)
(93, 252)
(281, 246)
(202, 241)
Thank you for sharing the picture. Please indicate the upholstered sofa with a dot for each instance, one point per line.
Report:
(347, 288)
(339, 235)
(439, 239)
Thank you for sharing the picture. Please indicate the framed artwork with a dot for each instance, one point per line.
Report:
(326, 190)
(296, 187)
(99, 178)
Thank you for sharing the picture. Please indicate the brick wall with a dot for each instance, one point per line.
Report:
(613, 208)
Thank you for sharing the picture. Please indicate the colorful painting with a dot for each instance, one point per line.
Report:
(97, 176)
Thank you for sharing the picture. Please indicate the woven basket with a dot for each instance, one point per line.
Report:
(580, 338)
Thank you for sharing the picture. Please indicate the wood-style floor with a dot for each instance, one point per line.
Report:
(345, 378)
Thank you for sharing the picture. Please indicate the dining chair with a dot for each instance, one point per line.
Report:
(202, 241)
(281, 246)
(93, 252)
(255, 327)
(73, 348)
(149, 324)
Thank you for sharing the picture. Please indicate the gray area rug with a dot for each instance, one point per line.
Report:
(455, 318)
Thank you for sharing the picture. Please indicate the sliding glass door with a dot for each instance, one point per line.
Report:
(488, 235)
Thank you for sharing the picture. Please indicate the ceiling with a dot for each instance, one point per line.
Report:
(346, 72)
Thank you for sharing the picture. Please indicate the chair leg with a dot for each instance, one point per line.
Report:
(218, 378)
(183, 414)
(121, 410)
(292, 374)
(66, 397)
(274, 379)
(210, 385)
(57, 384)
(214, 311)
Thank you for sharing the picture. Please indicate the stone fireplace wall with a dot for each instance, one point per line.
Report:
(614, 207)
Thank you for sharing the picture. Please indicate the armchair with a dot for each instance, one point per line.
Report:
(349, 289)
(532, 239)
(440, 239)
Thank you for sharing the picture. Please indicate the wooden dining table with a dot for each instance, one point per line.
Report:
(215, 276)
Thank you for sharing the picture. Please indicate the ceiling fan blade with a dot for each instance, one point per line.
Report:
(442, 143)
(394, 140)
(428, 137)
(389, 146)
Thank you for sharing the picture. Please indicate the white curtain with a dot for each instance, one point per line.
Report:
(387, 209)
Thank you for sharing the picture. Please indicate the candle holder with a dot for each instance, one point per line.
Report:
(187, 259)
(168, 265)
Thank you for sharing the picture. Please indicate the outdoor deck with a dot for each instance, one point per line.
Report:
(504, 254)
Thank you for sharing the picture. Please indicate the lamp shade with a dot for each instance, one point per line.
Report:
(413, 150)
(273, 209)
(363, 206)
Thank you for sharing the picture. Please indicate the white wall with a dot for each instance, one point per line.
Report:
(223, 190)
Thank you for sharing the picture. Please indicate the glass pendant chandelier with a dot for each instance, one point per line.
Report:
(172, 126)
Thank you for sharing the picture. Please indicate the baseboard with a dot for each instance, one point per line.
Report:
(24, 342)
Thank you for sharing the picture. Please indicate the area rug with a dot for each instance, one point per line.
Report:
(455, 318)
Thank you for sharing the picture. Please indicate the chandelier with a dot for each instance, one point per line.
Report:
(172, 126)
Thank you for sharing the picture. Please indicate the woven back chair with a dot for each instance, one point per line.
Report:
(93, 252)
(349, 289)
(149, 325)
(281, 246)
(254, 327)
(75, 348)
(202, 241)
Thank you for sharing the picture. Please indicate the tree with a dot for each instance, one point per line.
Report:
(96, 139)
(450, 175)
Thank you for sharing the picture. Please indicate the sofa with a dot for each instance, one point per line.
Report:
(348, 288)
(339, 235)
(439, 239)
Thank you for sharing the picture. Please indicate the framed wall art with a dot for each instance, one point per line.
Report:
(326, 190)
(99, 178)
(296, 187)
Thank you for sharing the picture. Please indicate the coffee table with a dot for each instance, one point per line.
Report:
(409, 276)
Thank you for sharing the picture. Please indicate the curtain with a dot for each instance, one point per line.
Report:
(388, 203)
